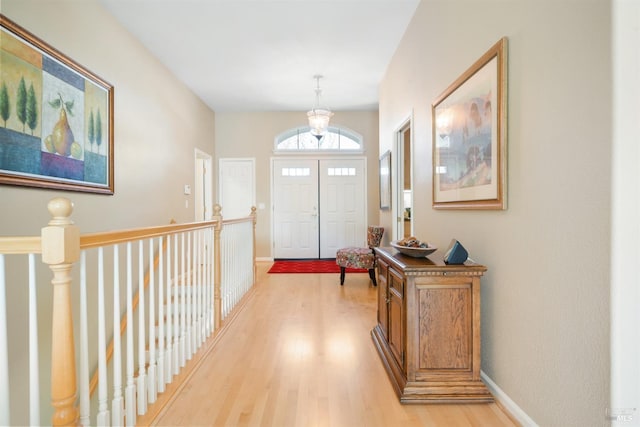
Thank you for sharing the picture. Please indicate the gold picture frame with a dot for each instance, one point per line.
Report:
(56, 117)
(469, 124)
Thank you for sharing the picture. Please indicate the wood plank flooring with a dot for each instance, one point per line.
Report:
(300, 354)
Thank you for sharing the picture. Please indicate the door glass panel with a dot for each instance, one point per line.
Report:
(296, 171)
(341, 171)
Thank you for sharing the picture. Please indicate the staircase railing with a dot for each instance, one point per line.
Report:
(195, 274)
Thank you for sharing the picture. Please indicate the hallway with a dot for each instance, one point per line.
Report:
(300, 354)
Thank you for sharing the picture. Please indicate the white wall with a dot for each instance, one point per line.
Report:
(545, 297)
(252, 135)
(158, 124)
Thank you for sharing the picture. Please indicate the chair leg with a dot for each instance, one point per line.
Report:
(372, 275)
(342, 271)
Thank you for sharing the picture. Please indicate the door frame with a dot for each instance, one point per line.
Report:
(317, 158)
(202, 186)
(398, 176)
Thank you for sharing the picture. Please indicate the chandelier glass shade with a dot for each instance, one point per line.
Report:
(319, 116)
(319, 121)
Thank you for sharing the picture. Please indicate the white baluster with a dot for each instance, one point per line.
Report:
(5, 415)
(103, 406)
(169, 350)
(117, 404)
(170, 310)
(130, 390)
(226, 273)
(223, 274)
(151, 372)
(161, 318)
(176, 311)
(142, 374)
(207, 295)
(85, 402)
(196, 295)
(34, 372)
(205, 281)
(230, 271)
(183, 307)
(234, 266)
(196, 264)
(201, 310)
(213, 280)
(188, 301)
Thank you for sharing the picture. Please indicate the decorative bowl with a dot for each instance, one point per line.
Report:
(414, 252)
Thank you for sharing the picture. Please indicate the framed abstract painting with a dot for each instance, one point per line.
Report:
(469, 123)
(56, 117)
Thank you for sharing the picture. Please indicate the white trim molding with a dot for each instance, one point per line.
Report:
(509, 405)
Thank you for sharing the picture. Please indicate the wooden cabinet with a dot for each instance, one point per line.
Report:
(428, 331)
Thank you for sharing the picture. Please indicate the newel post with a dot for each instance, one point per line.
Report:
(60, 249)
(217, 275)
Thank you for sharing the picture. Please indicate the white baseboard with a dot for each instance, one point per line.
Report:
(509, 405)
(265, 259)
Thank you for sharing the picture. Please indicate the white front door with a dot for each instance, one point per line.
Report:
(342, 205)
(319, 206)
(295, 208)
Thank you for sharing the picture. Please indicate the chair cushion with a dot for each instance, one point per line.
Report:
(374, 235)
(356, 258)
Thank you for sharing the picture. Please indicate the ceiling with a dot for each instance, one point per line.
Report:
(261, 55)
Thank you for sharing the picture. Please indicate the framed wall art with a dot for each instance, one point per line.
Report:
(469, 122)
(385, 180)
(56, 117)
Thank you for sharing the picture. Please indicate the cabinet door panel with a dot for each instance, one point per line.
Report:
(445, 327)
(383, 297)
(396, 316)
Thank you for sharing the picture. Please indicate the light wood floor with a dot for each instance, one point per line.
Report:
(300, 354)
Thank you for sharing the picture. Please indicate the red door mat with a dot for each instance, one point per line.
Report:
(310, 266)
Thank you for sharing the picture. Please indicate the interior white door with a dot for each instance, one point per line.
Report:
(237, 187)
(342, 205)
(295, 208)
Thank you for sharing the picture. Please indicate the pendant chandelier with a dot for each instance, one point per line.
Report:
(319, 116)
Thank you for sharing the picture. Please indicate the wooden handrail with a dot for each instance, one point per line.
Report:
(107, 238)
(21, 245)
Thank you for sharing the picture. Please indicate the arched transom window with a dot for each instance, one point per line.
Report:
(336, 139)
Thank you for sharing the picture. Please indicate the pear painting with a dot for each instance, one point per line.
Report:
(56, 118)
(61, 141)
